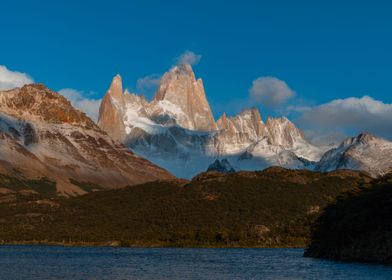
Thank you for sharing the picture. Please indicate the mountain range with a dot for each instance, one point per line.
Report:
(177, 130)
(137, 141)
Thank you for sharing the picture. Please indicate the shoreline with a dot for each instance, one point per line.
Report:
(116, 244)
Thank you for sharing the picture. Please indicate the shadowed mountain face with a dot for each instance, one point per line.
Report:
(43, 136)
(177, 130)
(275, 207)
(222, 166)
(358, 227)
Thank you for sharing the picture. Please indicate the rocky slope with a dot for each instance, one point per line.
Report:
(364, 152)
(43, 136)
(358, 227)
(177, 130)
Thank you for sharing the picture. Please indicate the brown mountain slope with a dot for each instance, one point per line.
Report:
(42, 135)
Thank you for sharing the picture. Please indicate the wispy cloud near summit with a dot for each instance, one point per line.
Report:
(12, 79)
(189, 57)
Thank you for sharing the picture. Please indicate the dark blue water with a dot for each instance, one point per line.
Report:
(46, 262)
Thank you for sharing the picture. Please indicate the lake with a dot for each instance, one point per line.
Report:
(56, 262)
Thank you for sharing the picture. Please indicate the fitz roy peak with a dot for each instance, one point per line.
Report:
(180, 87)
(177, 130)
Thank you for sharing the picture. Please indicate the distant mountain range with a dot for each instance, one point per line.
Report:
(177, 130)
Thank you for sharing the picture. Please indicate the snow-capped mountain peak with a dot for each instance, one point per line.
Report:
(364, 152)
(177, 129)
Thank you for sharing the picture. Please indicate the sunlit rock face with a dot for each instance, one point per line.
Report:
(111, 110)
(180, 87)
(176, 129)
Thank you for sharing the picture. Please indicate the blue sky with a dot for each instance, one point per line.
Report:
(322, 50)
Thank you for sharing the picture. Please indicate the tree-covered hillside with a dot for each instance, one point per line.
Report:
(270, 208)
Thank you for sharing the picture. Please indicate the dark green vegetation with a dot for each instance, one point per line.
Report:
(358, 227)
(271, 208)
(43, 187)
(86, 186)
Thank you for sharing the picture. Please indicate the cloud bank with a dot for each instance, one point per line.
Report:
(88, 105)
(352, 114)
(12, 79)
(270, 92)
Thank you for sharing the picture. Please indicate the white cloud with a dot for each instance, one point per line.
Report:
(189, 57)
(270, 91)
(352, 115)
(148, 84)
(88, 105)
(12, 79)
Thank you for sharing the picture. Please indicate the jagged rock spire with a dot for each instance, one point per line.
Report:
(115, 89)
(110, 112)
(180, 87)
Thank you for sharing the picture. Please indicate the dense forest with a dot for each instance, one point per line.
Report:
(271, 208)
(358, 227)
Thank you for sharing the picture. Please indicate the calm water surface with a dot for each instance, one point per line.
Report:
(52, 262)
